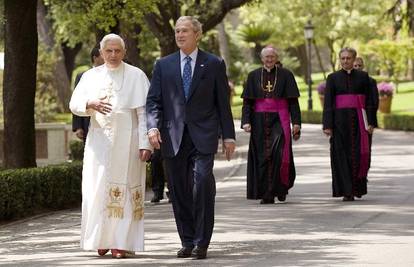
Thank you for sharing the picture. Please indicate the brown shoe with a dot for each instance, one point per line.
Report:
(102, 252)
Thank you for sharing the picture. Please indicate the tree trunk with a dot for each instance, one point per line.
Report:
(131, 44)
(410, 18)
(44, 26)
(60, 73)
(209, 14)
(318, 56)
(300, 53)
(99, 33)
(332, 55)
(168, 46)
(69, 55)
(19, 86)
(223, 44)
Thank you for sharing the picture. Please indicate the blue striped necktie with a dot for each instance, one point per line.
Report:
(187, 76)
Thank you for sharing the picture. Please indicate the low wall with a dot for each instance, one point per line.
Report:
(52, 143)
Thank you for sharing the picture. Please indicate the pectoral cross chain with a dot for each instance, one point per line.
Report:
(109, 92)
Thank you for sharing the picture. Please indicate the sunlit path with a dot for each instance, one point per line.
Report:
(310, 229)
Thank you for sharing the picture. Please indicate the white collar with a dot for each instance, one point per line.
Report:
(193, 55)
(116, 69)
(267, 69)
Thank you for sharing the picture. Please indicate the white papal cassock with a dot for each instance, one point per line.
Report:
(113, 185)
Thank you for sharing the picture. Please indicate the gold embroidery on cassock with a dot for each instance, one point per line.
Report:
(137, 203)
(116, 201)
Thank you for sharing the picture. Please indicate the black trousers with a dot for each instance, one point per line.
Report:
(157, 173)
(192, 191)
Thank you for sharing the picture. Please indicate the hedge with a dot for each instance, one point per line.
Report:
(76, 149)
(385, 121)
(25, 192)
(396, 122)
(311, 116)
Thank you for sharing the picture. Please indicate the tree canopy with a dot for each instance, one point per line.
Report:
(75, 21)
(337, 23)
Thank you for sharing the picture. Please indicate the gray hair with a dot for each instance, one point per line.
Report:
(197, 26)
(348, 49)
(269, 48)
(111, 37)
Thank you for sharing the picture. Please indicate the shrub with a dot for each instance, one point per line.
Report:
(76, 150)
(29, 191)
(311, 116)
(396, 122)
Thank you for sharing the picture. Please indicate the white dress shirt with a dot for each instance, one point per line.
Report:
(193, 56)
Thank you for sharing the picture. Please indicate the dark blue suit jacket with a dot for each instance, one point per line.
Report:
(206, 109)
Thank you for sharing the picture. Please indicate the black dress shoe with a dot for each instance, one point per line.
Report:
(156, 199)
(348, 198)
(267, 201)
(184, 252)
(199, 253)
(168, 196)
(281, 198)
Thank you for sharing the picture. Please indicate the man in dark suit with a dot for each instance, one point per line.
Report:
(187, 102)
(80, 125)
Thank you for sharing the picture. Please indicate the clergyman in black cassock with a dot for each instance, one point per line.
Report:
(270, 102)
(349, 118)
(359, 65)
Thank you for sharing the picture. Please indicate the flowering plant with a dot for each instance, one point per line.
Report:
(385, 89)
(321, 88)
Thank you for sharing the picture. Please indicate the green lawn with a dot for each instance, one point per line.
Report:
(403, 101)
(402, 104)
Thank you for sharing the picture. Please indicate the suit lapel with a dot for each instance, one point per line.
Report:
(176, 66)
(199, 68)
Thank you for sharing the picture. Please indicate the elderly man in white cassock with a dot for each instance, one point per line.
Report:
(113, 186)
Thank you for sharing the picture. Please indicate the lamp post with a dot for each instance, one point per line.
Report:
(308, 30)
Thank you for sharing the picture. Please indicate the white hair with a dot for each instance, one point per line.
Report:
(269, 48)
(111, 37)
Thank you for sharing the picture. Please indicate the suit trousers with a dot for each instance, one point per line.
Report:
(192, 191)
(157, 173)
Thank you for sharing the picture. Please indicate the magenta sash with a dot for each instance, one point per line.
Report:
(357, 102)
(281, 106)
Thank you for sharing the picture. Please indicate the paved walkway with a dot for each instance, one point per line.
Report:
(310, 229)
